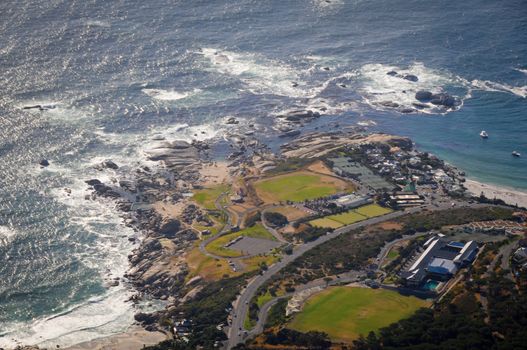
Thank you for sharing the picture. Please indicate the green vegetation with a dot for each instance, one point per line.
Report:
(372, 210)
(347, 218)
(276, 219)
(460, 321)
(208, 196)
(458, 216)
(297, 187)
(344, 313)
(325, 222)
(351, 217)
(276, 315)
(392, 254)
(217, 246)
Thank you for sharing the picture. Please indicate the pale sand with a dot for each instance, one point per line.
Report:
(134, 339)
(215, 173)
(508, 195)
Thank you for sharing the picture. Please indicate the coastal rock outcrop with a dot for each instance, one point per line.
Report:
(176, 155)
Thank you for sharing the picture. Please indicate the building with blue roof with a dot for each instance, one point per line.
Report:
(440, 261)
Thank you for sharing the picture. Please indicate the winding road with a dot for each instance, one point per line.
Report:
(241, 306)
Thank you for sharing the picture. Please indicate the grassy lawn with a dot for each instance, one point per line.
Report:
(392, 254)
(207, 267)
(347, 218)
(207, 196)
(299, 186)
(346, 312)
(254, 262)
(372, 210)
(351, 217)
(217, 246)
(326, 222)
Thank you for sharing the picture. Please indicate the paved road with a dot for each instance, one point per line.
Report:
(347, 277)
(241, 306)
(226, 228)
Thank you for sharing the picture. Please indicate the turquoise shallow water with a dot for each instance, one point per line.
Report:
(118, 73)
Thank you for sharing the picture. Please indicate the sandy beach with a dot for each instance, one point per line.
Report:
(508, 195)
(134, 339)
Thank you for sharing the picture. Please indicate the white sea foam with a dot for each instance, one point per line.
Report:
(98, 23)
(366, 123)
(523, 70)
(98, 317)
(7, 232)
(487, 85)
(377, 87)
(261, 75)
(169, 95)
(61, 111)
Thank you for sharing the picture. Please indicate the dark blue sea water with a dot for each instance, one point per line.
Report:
(118, 73)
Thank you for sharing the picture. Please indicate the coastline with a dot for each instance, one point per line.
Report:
(134, 338)
(510, 196)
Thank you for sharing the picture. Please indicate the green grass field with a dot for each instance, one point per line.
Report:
(325, 222)
(347, 218)
(351, 217)
(207, 196)
(347, 312)
(297, 187)
(217, 246)
(372, 210)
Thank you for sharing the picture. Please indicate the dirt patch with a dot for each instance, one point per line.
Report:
(390, 225)
(215, 173)
(320, 167)
(170, 210)
(290, 212)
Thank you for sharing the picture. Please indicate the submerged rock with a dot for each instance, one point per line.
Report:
(389, 104)
(290, 133)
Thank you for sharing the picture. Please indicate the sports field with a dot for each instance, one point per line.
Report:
(217, 246)
(351, 217)
(325, 222)
(344, 313)
(372, 210)
(299, 186)
(347, 218)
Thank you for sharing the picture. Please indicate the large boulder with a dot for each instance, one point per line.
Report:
(109, 165)
(145, 318)
(93, 182)
(169, 227)
(423, 95)
(411, 77)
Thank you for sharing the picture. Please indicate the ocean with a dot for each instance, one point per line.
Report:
(111, 76)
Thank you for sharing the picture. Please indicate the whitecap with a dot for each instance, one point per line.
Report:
(380, 89)
(7, 232)
(487, 85)
(260, 74)
(169, 95)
